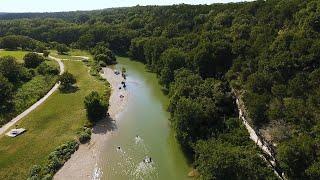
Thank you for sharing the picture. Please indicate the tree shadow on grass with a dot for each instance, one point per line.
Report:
(104, 126)
(71, 89)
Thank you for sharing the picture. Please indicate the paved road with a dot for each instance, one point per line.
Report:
(5, 127)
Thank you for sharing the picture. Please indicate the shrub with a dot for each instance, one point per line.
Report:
(67, 80)
(12, 70)
(103, 55)
(47, 177)
(35, 172)
(40, 48)
(62, 48)
(102, 64)
(106, 59)
(55, 161)
(32, 91)
(46, 53)
(44, 69)
(32, 60)
(61, 154)
(95, 105)
(84, 135)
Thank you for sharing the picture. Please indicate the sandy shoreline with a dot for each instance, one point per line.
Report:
(83, 163)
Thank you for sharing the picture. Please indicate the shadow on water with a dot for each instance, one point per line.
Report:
(104, 126)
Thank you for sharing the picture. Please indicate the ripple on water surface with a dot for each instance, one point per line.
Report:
(130, 161)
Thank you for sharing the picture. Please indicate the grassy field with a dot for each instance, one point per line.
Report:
(17, 54)
(53, 123)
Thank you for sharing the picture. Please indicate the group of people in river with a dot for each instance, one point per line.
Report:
(146, 160)
(123, 83)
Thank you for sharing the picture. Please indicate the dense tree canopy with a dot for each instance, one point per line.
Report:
(226, 161)
(13, 42)
(266, 50)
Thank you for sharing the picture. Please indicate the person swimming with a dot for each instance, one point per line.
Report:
(137, 139)
(118, 148)
(147, 160)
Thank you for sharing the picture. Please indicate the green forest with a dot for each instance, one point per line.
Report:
(268, 52)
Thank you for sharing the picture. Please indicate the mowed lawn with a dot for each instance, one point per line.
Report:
(50, 125)
(17, 54)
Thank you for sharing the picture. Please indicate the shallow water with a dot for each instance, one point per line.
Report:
(142, 130)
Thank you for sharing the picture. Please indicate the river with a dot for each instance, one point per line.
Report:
(143, 129)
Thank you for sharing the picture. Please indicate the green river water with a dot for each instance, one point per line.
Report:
(145, 116)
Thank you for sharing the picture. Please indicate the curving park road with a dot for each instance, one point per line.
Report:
(5, 127)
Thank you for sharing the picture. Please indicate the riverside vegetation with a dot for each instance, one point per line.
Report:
(267, 50)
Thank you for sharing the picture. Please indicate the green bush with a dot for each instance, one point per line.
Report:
(13, 71)
(96, 106)
(35, 172)
(32, 60)
(62, 48)
(44, 68)
(32, 91)
(67, 81)
(84, 135)
(46, 53)
(55, 161)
